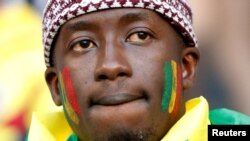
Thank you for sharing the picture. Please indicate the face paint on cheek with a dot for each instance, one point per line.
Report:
(167, 86)
(67, 92)
(172, 87)
(176, 89)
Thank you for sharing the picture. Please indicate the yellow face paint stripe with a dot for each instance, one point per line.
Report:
(174, 84)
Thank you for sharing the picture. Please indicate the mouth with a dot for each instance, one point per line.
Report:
(117, 99)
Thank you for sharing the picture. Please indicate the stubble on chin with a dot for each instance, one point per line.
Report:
(127, 135)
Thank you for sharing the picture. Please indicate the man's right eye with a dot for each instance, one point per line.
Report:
(83, 45)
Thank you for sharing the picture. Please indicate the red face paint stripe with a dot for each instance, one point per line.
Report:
(68, 108)
(178, 90)
(70, 91)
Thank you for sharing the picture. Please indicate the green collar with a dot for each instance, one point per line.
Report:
(72, 137)
(228, 117)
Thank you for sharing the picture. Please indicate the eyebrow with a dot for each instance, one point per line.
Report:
(130, 17)
(81, 25)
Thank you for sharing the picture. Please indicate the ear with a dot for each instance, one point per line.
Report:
(53, 84)
(190, 57)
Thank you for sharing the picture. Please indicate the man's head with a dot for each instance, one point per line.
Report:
(119, 72)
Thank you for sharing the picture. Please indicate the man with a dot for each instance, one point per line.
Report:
(119, 68)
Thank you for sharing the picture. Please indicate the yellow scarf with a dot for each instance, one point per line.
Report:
(191, 127)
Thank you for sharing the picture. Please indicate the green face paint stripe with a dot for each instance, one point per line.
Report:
(64, 103)
(167, 86)
(61, 88)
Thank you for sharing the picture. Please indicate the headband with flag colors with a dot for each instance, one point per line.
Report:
(57, 12)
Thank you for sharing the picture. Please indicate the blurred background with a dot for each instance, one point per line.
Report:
(22, 85)
(222, 27)
(223, 30)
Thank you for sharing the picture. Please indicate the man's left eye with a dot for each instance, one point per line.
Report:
(139, 37)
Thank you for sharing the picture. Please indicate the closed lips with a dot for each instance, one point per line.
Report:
(118, 99)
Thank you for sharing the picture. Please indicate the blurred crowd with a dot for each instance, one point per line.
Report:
(22, 86)
(223, 29)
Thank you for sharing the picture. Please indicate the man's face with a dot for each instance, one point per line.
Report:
(109, 75)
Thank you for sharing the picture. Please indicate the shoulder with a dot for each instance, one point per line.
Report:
(227, 116)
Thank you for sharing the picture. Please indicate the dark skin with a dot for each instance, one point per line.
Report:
(116, 59)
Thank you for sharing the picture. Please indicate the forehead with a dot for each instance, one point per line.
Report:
(119, 16)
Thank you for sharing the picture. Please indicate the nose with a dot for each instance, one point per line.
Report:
(112, 63)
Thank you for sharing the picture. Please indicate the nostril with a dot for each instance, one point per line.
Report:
(111, 76)
(102, 77)
(121, 74)
(105, 77)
